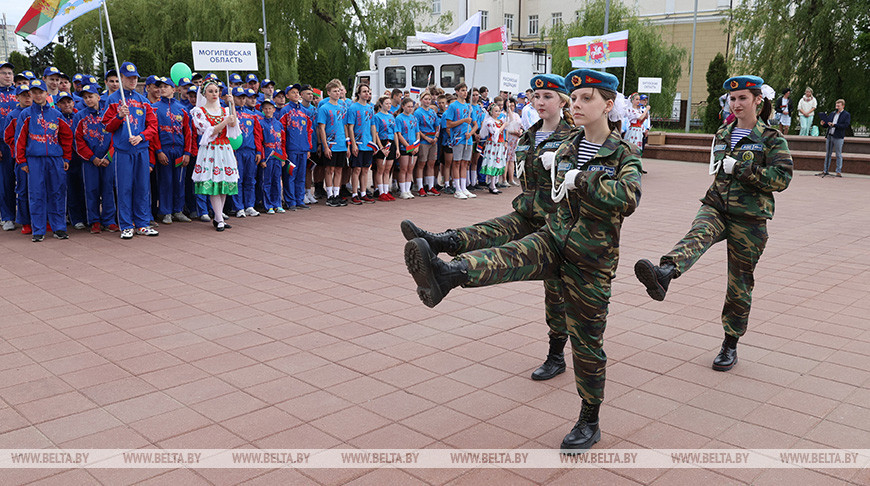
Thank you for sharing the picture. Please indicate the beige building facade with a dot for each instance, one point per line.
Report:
(529, 19)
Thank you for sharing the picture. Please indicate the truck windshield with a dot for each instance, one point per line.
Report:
(452, 75)
(395, 77)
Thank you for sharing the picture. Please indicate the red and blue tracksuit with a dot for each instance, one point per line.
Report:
(75, 185)
(273, 144)
(174, 141)
(93, 142)
(8, 102)
(10, 135)
(43, 144)
(132, 163)
(298, 131)
(252, 144)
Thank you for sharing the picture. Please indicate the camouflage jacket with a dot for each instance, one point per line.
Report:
(587, 222)
(763, 167)
(535, 202)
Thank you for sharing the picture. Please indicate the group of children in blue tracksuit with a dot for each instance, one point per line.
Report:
(111, 158)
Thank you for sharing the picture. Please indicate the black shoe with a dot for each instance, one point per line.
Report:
(494, 191)
(330, 202)
(226, 225)
(220, 227)
(302, 206)
(341, 201)
(61, 235)
(727, 357)
(656, 279)
(446, 242)
(585, 432)
(555, 363)
(37, 238)
(434, 276)
(821, 174)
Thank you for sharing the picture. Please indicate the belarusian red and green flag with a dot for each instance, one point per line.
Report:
(45, 18)
(599, 51)
(492, 40)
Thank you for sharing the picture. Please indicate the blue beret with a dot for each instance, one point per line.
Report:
(549, 81)
(21, 89)
(91, 88)
(742, 82)
(587, 78)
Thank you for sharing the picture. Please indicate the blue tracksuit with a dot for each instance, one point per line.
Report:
(252, 144)
(75, 186)
(174, 141)
(298, 126)
(22, 204)
(8, 102)
(93, 142)
(44, 143)
(132, 163)
(273, 144)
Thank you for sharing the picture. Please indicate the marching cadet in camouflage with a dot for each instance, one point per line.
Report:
(530, 209)
(750, 161)
(596, 184)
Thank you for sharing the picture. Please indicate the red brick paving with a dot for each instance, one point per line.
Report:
(308, 334)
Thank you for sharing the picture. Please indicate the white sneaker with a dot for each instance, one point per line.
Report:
(252, 212)
(146, 231)
(240, 213)
(80, 226)
(312, 200)
(205, 218)
(225, 216)
(410, 195)
(460, 195)
(470, 194)
(167, 219)
(180, 217)
(305, 199)
(8, 225)
(127, 234)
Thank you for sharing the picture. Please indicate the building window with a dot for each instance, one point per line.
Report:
(723, 3)
(436, 7)
(509, 22)
(533, 25)
(421, 76)
(395, 77)
(452, 74)
(556, 19)
(484, 16)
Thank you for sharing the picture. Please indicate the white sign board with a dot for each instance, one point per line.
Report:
(649, 85)
(224, 56)
(509, 82)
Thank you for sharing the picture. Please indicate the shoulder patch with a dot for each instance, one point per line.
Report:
(564, 166)
(551, 145)
(721, 146)
(602, 168)
(751, 146)
(522, 148)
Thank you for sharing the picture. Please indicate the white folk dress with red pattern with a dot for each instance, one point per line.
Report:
(216, 171)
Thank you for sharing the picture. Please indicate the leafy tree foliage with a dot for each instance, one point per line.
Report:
(19, 60)
(648, 54)
(823, 44)
(717, 73)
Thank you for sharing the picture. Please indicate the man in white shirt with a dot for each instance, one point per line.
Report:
(529, 116)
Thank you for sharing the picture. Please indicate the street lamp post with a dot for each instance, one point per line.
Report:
(266, 44)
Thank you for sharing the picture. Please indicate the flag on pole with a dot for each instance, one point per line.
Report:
(415, 90)
(45, 18)
(493, 40)
(461, 42)
(599, 51)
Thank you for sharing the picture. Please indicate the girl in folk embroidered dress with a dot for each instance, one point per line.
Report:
(494, 156)
(216, 173)
(636, 116)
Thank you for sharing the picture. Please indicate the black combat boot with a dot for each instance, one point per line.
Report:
(446, 242)
(727, 357)
(586, 432)
(555, 363)
(656, 279)
(434, 276)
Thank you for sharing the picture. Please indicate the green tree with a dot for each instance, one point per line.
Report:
(823, 44)
(65, 60)
(717, 72)
(648, 54)
(19, 60)
(39, 58)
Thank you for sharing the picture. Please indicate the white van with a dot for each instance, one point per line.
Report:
(418, 68)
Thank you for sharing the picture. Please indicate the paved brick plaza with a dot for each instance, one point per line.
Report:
(308, 334)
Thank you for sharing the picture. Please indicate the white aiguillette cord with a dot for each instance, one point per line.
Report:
(558, 191)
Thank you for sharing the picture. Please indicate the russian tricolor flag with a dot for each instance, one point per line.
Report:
(415, 90)
(461, 42)
(372, 145)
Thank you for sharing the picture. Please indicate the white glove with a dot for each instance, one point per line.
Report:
(570, 178)
(728, 164)
(548, 159)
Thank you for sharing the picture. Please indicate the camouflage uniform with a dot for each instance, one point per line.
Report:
(579, 246)
(736, 209)
(530, 210)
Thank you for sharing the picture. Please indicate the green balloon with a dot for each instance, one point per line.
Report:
(179, 70)
(235, 143)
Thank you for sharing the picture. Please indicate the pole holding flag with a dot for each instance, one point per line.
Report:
(117, 66)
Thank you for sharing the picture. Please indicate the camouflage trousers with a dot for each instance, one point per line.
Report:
(498, 231)
(746, 240)
(586, 294)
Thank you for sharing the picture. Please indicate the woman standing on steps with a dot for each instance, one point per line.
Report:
(749, 161)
